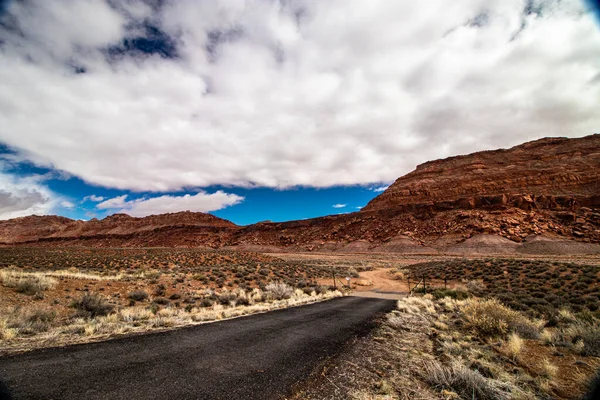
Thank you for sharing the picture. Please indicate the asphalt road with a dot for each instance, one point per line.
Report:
(255, 357)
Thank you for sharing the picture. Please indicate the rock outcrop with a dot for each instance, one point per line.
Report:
(546, 173)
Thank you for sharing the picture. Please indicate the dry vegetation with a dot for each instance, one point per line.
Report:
(538, 288)
(463, 349)
(58, 296)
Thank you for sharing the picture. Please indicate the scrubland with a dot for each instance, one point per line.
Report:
(57, 297)
(464, 349)
(487, 328)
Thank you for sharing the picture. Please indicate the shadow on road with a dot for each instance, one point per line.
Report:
(4, 392)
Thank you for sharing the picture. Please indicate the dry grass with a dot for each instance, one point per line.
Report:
(586, 337)
(514, 345)
(490, 318)
(426, 350)
(92, 305)
(10, 275)
(76, 274)
(28, 283)
(95, 319)
(278, 291)
(26, 322)
(548, 369)
(464, 382)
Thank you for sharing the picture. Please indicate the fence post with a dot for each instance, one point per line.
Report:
(333, 275)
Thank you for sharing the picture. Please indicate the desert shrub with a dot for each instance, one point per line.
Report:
(308, 290)
(321, 289)
(489, 318)
(476, 287)
(152, 274)
(588, 334)
(137, 295)
(92, 305)
(226, 298)
(161, 300)
(160, 290)
(353, 273)
(175, 296)
(279, 290)
(242, 301)
(26, 283)
(206, 302)
(465, 382)
(30, 321)
(454, 294)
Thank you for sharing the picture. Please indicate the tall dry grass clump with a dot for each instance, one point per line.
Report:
(490, 318)
(514, 346)
(28, 283)
(26, 321)
(278, 291)
(465, 382)
(586, 337)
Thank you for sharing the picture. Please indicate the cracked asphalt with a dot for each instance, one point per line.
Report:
(256, 357)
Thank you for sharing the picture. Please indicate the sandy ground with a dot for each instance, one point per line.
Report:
(383, 285)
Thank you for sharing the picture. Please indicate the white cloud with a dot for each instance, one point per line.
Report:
(339, 205)
(380, 188)
(20, 197)
(292, 93)
(93, 198)
(200, 202)
(67, 204)
(115, 202)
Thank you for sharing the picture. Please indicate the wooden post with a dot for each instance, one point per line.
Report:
(424, 285)
(445, 283)
(408, 279)
(333, 275)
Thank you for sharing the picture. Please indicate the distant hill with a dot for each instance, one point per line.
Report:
(538, 197)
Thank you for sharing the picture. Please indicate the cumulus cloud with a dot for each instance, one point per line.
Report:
(20, 197)
(115, 202)
(200, 202)
(67, 204)
(339, 205)
(160, 96)
(93, 198)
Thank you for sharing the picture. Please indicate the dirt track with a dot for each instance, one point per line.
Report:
(256, 357)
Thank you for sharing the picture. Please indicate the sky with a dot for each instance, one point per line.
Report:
(274, 110)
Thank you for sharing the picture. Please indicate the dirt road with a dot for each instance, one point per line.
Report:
(255, 357)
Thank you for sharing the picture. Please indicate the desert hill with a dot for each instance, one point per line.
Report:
(60, 229)
(538, 197)
(545, 173)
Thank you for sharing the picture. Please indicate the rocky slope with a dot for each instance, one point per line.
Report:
(546, 173)
(118, 226)
(542, 196)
